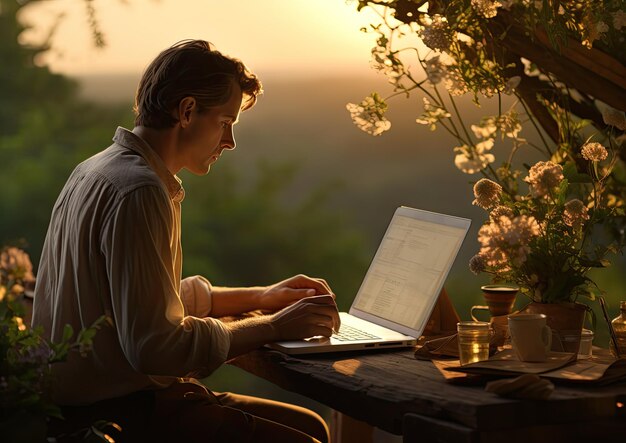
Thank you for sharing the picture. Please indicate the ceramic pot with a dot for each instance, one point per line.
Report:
(499, 300)
(566, 321)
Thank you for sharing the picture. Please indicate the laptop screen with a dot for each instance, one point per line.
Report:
(410, 266)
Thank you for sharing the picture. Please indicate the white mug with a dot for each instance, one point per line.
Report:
(530, 336)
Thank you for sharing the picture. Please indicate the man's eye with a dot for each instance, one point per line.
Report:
(225, 124)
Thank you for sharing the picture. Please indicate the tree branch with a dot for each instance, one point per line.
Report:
(602, 85)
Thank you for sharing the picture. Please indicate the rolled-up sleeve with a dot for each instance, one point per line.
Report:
(195, 293)
(157, 334)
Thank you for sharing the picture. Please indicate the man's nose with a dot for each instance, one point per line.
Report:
(228, 139)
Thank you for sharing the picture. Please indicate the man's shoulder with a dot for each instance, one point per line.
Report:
(121, 167)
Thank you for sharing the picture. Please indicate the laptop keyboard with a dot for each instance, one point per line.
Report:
(350, 333)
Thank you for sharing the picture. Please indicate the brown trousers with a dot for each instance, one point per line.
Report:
(187, 412)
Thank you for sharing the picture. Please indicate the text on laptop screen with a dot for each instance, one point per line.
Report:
(409, 266)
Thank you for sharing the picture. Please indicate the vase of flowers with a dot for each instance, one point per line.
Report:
(557, 72)
(566, 320)
(546, 241)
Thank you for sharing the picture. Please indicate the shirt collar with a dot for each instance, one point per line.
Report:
(132, 141)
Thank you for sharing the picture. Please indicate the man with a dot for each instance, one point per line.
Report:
(113, 248)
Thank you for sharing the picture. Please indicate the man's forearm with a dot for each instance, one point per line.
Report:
(249, 334)
(234, 301)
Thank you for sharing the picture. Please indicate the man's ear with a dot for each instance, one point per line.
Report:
(185, 110)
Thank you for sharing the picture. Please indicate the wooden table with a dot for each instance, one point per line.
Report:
(404, 396)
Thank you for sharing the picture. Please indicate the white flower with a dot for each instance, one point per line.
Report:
(594, 151)
(379, 56)
(490, 250)
(368, 115)
(471, 160)
(16, 263)
(530, 69)
(486, 8)
(484, 146)
(455, 84)
(436, 33)
(432, 114)
(505, 243)
(486, 129)
(384, 61)
(500, 211)
(575, 213)
(508, 124)
(487, 193)
(543, 177)
(19, 321)
(477, 264)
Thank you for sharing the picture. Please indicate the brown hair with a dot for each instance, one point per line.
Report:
(190, 68)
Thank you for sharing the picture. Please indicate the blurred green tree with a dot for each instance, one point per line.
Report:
(246, 235)
(45, 130)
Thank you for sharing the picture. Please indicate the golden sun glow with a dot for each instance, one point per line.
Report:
(276, 36)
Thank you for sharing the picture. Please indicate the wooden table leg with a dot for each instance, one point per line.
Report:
(345, 429)
(418, 428)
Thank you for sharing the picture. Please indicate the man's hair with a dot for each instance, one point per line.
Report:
(190, 68)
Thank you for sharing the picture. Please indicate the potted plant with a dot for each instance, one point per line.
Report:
(546, 240)
(25, 359)
(557, 72)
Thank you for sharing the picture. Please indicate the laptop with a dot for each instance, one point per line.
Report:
(400, 289)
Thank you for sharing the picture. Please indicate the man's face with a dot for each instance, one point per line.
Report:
(209, 133)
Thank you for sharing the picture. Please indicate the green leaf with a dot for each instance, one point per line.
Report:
(570, 172)
(562, 192)
(87, 335)
(68, 331)
(602, 263)
(591, 318)
(52, 410)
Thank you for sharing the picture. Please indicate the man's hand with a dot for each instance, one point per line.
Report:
(289, 291)
(236, 301)
(307, 317)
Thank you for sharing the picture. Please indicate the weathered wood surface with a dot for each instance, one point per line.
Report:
(421, 429)
(382, 387)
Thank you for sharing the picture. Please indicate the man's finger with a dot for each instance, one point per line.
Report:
(324, 299)
(324, 331)
(337, 325)
(319, 284)
(324, 285)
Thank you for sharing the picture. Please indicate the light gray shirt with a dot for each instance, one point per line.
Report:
(113, 248)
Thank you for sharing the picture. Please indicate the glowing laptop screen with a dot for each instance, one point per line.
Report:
(409, 269)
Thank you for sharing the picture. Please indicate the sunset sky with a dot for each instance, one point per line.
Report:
(271, 36)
